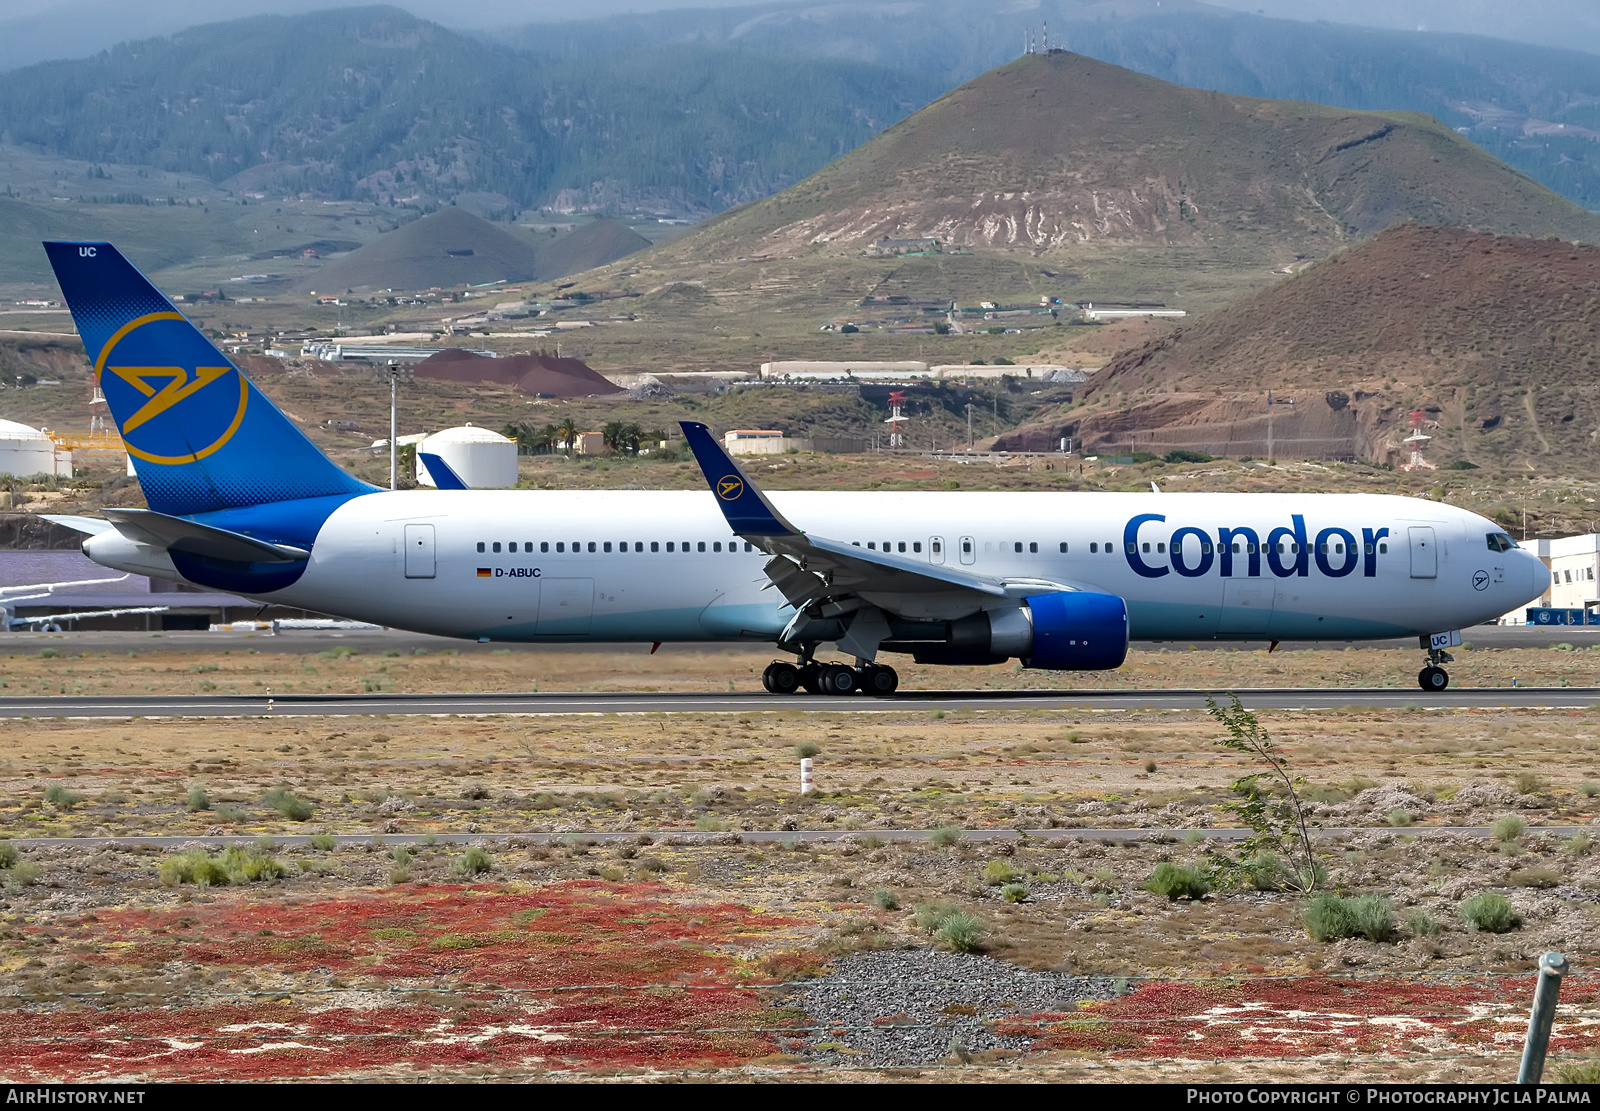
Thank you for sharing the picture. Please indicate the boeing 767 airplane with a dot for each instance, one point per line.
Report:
(240, 500)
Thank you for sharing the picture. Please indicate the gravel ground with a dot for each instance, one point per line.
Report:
(902, 1008)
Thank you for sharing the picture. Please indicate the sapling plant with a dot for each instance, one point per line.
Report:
(1277, 824)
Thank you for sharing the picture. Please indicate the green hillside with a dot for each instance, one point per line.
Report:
(371, 103)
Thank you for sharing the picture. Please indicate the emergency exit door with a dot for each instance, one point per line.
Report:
(1424, 554)
(419, 552)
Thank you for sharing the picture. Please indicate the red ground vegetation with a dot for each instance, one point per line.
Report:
(437, 981)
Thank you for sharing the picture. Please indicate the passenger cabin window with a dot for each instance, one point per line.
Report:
(480, 545)
(902, 546)
(716, 545)
(702, 545)
(1093, 547)
(591, 546)
(1017, 547)
(916, 545)
(607, 546)
(966, 547)
(496, 545)
(1033, 546)
(655, 545)
(1063, 547)
(937, 547)
(544, 545)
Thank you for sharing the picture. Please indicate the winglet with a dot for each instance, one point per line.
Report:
(438, 470)
(746, 508)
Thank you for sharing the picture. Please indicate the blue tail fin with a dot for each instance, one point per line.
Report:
(202, 436)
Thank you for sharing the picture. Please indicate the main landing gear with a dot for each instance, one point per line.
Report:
(782, 677)
(1434, 678)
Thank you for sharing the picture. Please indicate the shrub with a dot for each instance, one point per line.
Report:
(961, 932)
(1419, 923)
(945, 836)
(231, 814)
(475, 861)
(1331, 917)
(1489, 913)
(1014, 892)
(1399, 816)
(58, 796)
(652, 865)
(289, 804)
(613, 873)
(1577, 845)
(401, 855)
(198, 798)
(399, 874)
(884, 899)
(322, 842)
(1508, 828)
(998, 872)
(1177, 881)
(1074, 737)
(871, 841)
(709, 823)
(806, 751)
(929, 916)
(22, 874)
(8, 854)
(1536, 877)
(1578, 1072)
(232, 865)
(1589, 788)
(1527, 783)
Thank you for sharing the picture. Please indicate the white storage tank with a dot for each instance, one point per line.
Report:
(484, 460)
(28, 451)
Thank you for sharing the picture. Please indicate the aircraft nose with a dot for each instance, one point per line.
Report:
(1538, 575)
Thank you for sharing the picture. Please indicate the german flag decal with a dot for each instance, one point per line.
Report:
(484, 573)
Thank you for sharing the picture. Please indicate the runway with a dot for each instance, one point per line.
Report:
(556, 704)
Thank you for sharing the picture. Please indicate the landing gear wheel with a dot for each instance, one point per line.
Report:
(1433, 679)
(879, 681)
(838, 679)
(780, 677)
(811, 678)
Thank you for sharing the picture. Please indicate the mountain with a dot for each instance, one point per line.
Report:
(1060, 153)
(448, 248)
(1534, 106)
(1495, 340)
(453, 248)
(374, 104)
(589, 245)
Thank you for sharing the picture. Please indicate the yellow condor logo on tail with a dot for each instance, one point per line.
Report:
(729, 488)
(176, 385)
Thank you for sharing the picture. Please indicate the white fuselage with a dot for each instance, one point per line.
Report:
(663, 566)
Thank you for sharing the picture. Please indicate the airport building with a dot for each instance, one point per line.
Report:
(29, 451)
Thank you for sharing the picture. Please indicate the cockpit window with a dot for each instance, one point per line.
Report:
(1500, 542)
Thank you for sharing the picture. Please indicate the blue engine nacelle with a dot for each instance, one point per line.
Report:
(1077, 631)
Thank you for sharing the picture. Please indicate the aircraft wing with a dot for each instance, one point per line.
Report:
(808, 568)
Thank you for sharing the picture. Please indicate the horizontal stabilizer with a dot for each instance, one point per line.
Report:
(89, 526)
(438, 470)
(145, 526)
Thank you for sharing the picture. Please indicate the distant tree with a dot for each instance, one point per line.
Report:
(566, 434)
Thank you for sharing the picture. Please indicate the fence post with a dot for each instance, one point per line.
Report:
(1552, 966)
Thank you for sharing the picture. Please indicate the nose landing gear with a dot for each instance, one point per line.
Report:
(1434, 678)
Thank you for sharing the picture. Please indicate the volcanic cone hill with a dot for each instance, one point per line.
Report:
(586, 247)
(1060, 154)
(450, 247)
(1494, 339)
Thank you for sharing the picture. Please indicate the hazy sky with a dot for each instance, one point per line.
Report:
(34, 30)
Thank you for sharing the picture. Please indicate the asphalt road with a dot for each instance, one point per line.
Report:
(354, 705)
(297, 641)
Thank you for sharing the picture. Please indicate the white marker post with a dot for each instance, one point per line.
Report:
(808, 782)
